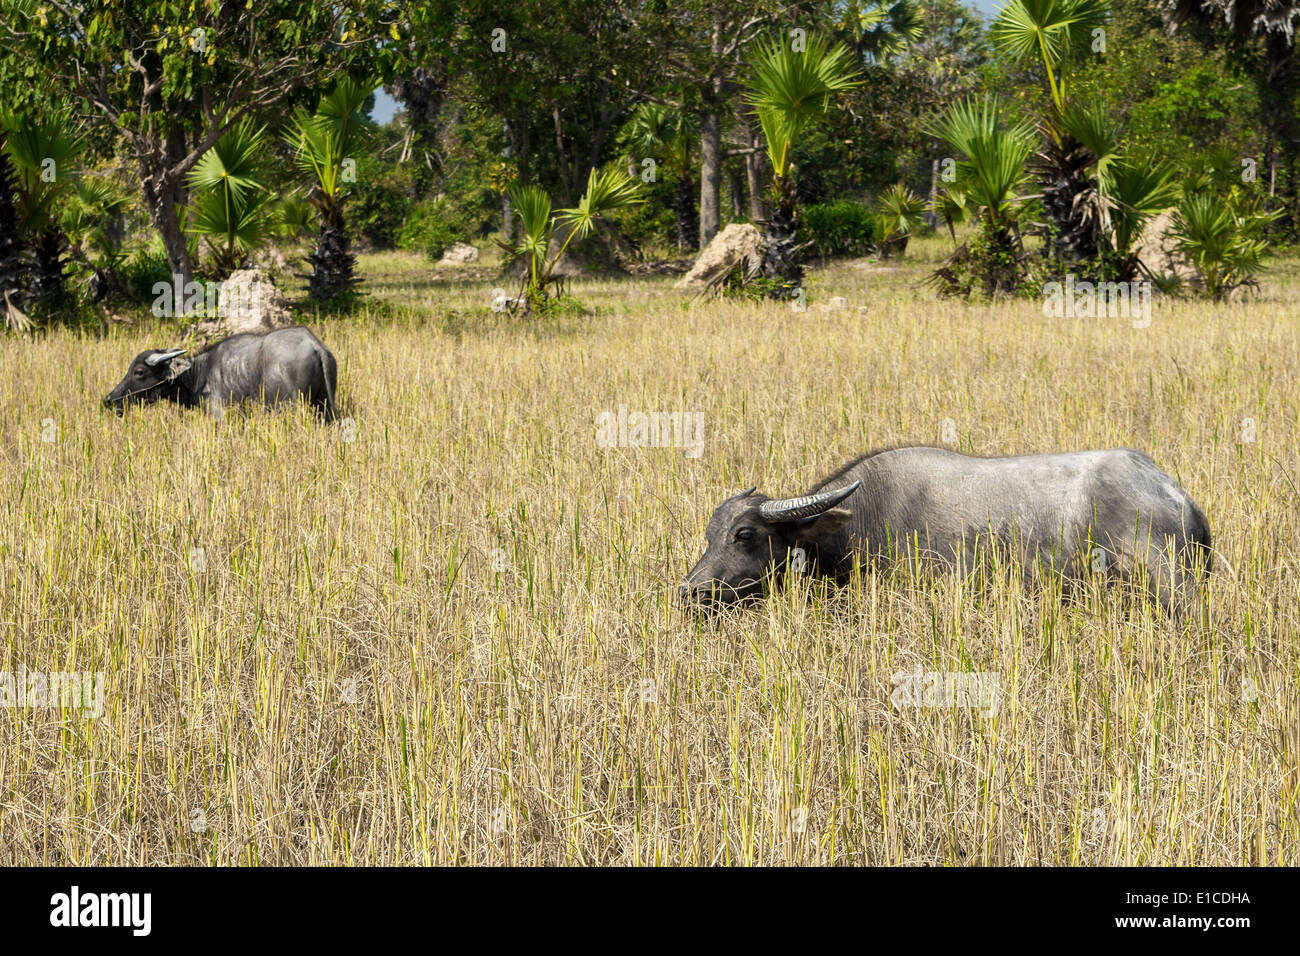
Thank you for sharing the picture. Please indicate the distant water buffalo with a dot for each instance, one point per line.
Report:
(276, 367)
(1111, 511)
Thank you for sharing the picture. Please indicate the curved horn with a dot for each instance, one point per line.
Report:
(159, 357)
(788, 509)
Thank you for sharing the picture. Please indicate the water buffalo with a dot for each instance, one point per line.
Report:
(275, 367)
(1111, 511)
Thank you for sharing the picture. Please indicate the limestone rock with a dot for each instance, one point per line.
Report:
(248, 302)
(459, 253)
(740, 242)
(1157, 251)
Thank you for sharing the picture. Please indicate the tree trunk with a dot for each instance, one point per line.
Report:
(736, 186)
(507, 214)
(931, 217)
(159, 200)
(520, 147)
(422, 94)
(754, 171)
(333, 277)
(710, 174)
(177, 149)
(687, 223)
(566, 181)
(48, 264)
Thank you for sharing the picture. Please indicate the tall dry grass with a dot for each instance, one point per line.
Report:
(314, 651)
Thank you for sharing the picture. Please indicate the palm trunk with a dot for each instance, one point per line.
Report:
(1003, 271)
(333, 275)
(782, 240)
(47, 267)
(12, 251)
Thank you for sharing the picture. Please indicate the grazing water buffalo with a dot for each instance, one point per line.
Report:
(1106, 510)
(276, 367)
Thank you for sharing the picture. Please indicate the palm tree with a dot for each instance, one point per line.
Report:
(668, 135)
(788, 90)
(989, 178)
(1139, 190)
(323, 142)
(231, 201)
(92, 220)
(882, 29)
(41, 151)
(1050, 33)
(607, 191)
(899, 211)
(13, 255)
(1074, 165)
(952, 206)
(1225, 243)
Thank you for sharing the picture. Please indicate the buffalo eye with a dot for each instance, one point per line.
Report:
(139, 371)
(745, 534)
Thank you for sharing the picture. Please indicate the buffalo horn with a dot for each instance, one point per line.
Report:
(159, 357)
(788, 509)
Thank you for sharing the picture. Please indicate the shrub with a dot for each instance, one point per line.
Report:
(899, 215)
(144, 269)
(842, 228)
(652, 223)
(1223, 238)
(431, 227)
(606, 192)
(381, 199)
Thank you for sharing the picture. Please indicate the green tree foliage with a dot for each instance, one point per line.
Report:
(92, 219)
(169, 78)
(899, 213)
(1259, 37)
(666, 137)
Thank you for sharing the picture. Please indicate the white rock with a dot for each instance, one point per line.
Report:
(458, 253)
(739, 242)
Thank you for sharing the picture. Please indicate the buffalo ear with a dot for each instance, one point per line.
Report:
(828, 522)
(177, 366)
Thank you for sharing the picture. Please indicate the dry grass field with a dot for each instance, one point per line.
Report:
(445, 630)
